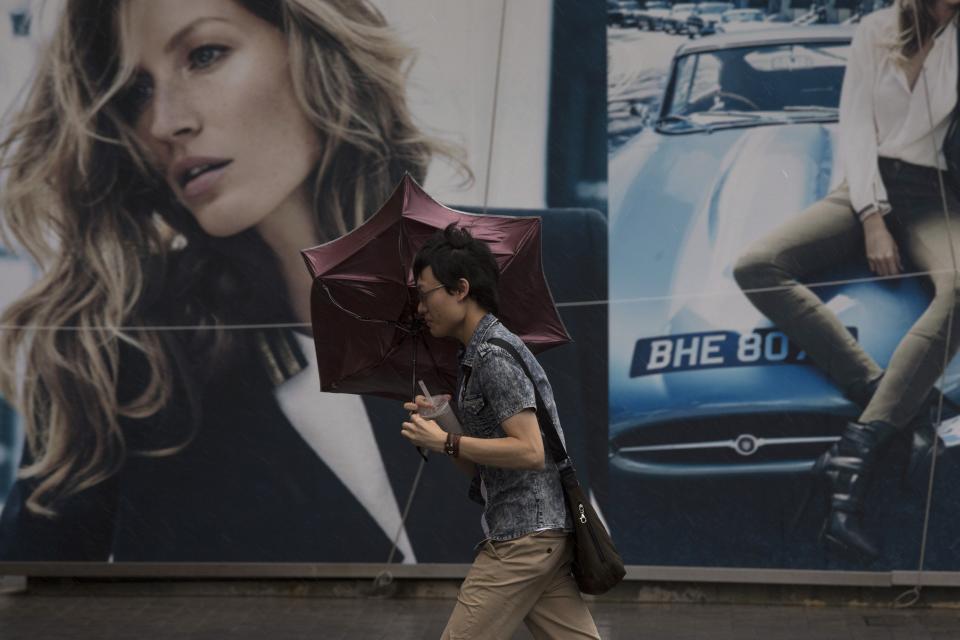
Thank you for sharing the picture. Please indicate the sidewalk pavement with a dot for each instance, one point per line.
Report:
(75, 615)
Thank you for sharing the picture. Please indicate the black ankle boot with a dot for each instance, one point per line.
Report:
(860, 394)
(849, 465)
(922, 441)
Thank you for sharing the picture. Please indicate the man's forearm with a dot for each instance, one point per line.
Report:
(507, 452)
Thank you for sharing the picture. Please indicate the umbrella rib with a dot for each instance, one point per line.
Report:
(403, 266)
(433, 360)
(386, 357)
(357, 316)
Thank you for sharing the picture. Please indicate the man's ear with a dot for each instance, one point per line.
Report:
(463, 289)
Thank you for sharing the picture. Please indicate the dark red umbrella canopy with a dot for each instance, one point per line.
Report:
(363, 304)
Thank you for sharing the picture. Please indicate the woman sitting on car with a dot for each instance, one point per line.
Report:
(898, 94)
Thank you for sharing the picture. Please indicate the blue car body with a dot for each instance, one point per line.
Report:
(701, 383)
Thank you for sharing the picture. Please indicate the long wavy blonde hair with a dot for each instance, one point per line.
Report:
(916, 26)
(82, 200)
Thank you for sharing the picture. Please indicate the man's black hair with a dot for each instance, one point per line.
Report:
(453, 254)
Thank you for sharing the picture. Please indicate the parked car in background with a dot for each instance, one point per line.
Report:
(620, 12)
(651, 17)
(737, 20)
(631, 16)
(701, 383)
(676, 21)
(705, 16)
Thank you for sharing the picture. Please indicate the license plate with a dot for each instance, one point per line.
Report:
(715, 350)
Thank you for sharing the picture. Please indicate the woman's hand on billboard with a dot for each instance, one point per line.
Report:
(883, 256)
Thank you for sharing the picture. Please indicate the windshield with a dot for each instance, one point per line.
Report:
(682, 8)
(779, 83)
(719, 8)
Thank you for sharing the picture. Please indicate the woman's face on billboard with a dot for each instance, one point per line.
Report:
(214, 104)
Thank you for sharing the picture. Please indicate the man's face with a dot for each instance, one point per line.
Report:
(443, 311)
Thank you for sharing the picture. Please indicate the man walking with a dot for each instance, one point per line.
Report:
(522, 570)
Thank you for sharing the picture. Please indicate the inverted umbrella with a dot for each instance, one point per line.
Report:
(363, 303)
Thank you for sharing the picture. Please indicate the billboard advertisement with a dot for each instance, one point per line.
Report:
(761, 374)
(163, 166)
(752, 335)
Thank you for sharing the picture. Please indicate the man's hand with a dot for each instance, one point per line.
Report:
(423, 433)
(419, 404)
(883, 256)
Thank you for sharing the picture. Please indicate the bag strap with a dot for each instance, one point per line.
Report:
(554, 444)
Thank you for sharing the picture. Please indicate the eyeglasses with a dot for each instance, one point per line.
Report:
(424, 294)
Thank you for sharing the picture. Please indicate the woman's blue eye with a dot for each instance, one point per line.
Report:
(206, 55)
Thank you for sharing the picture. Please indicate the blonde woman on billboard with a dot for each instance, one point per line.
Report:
(170, 161)
(898, 95)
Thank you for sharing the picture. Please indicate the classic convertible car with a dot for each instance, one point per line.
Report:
(701, 383)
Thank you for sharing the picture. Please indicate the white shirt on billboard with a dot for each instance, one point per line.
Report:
(881, 116)
(338, 429)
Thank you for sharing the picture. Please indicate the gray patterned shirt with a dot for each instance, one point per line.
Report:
(491, 388)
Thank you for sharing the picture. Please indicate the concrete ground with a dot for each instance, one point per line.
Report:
(164, 610)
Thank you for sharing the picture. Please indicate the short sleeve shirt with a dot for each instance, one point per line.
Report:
(492, 387)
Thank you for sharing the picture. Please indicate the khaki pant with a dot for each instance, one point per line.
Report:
(525, 579)
(828, 234)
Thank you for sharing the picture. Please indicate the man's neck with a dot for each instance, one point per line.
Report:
(470, 322)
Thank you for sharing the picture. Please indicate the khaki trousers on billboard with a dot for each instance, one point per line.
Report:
(527, 579)
(828, 234)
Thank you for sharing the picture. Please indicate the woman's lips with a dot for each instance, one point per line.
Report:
(202, 183)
